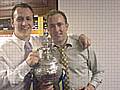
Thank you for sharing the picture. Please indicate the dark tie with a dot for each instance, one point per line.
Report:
(27, 48)
(28, 77)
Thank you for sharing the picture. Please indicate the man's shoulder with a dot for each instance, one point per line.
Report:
(6, 43)
(74, 39)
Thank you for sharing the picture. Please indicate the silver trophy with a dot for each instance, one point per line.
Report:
(48, 67)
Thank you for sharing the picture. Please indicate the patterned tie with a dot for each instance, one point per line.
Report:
(64, 62)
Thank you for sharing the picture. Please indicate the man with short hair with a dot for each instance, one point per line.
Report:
(82, 63)
(15, 64)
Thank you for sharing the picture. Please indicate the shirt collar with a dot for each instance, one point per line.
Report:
(73, 40)
(18, 41)
(69, 40)
(68, 43)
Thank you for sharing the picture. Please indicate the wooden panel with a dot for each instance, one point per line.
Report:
(40, 7)
(33, 3)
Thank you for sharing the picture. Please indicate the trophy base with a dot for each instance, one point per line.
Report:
(48, 78)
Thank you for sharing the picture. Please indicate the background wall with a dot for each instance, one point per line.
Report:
(100, 20)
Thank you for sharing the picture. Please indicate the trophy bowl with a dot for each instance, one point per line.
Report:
(48, 68)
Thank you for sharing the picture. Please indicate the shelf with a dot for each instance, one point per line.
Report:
(40, 7)
(6, 32)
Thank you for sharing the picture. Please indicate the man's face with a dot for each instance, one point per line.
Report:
(22, 23)
(57, 28)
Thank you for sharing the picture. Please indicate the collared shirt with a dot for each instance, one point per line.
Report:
(13, 67)
(83, 67)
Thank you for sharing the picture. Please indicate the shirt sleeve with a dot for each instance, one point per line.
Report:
(97, 73)
(11, 76)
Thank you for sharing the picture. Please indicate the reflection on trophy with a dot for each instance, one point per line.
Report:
(48, 67)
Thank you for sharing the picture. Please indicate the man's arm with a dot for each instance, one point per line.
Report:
(15, 75)
(97, 74)
(11, 76)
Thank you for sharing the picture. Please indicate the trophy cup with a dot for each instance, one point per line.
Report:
(48, 67)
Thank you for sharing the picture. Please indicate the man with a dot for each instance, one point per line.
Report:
(83, 70)
(15, 62)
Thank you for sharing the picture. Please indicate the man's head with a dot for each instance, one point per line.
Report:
(22, 20)
(57, 26)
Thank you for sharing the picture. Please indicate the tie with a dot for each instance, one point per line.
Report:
(28, 77)
(27, 48)
(64, 62)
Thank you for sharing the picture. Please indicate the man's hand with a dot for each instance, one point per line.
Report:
(90, 87)
(33, 58)
(46, 86)
(84, 41)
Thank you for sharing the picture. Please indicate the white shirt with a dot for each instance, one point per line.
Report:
(13, 67)
(83, 66)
